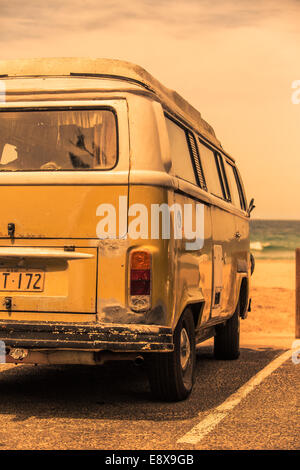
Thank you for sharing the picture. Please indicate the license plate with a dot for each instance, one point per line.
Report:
(22, 281)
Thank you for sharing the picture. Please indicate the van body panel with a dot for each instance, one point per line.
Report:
(60, 212)
(224, 227)
(187, 275)
(69, 285)
(194, 268)
(152, 152)
(163, 256)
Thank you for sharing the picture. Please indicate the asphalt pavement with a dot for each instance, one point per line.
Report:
(110, 407)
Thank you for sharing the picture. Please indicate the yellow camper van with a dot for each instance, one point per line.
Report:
(124, 224)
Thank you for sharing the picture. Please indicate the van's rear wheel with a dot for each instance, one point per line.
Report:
(171, 375)
(227, 338)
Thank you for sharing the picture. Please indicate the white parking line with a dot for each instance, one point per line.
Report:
(198, 432)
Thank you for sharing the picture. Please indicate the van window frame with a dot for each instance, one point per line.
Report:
(67, 108)
(224, 179)
(239, 186)
(215, 153)
(186, 131)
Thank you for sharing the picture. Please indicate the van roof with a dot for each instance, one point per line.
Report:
(109, 68)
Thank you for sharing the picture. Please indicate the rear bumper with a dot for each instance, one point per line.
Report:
(112, 337)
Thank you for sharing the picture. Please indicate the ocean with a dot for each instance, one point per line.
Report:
(274, 239)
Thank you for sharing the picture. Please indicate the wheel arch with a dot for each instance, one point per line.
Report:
(243, 297)
(196, 309)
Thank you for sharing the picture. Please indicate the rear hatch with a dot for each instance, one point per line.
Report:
(55, 167)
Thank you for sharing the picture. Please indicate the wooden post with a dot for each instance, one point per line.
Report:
(297, 335)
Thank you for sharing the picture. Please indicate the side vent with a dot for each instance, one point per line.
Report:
(197, 161)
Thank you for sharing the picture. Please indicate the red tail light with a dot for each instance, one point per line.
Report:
(140, 280)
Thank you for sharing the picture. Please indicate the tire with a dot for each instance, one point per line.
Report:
(227, 338)
(171, 375)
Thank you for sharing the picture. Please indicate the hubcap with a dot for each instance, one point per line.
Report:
(185, 349)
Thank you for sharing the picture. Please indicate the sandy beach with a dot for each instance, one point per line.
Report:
(272, 319)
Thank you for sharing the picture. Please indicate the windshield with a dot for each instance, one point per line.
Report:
(58, 140)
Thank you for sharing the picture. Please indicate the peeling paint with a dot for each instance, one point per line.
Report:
(113, 247)
(111, 311)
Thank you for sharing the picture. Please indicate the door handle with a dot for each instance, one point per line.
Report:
(237, 235)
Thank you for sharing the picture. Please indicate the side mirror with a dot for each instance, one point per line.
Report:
(251, 206)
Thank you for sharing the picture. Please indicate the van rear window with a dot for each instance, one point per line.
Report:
(58, 140)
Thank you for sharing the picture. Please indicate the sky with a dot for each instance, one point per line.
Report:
(235, 61)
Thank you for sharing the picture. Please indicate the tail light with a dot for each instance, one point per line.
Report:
(140, 281)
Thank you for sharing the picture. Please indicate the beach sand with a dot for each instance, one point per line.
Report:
(271, 322)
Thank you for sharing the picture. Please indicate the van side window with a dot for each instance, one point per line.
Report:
(180, 152)
(211, 171)
(235, 196)
(240, 188)
(235, 189)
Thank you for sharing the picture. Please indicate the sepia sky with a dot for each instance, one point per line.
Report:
(235, 61)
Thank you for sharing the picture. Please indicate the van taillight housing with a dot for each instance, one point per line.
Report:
(140, 280)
